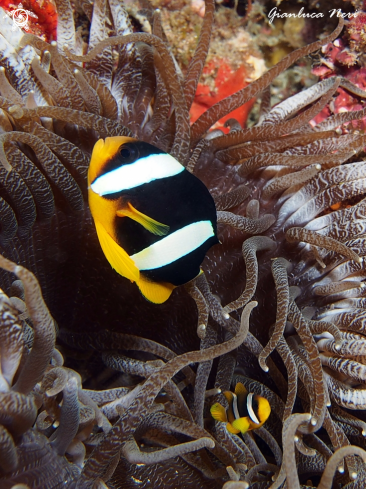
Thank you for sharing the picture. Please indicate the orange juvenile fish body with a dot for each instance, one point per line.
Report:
(246, 410)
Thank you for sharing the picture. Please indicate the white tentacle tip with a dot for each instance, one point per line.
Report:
(225, 315)
(353, 475)
(363, 432)
(341, 469)
(313, 421)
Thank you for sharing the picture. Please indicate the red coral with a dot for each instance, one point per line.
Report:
(44, 24)
(342, 58)
(227, 81)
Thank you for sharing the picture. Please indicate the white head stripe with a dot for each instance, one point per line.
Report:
(252, 416)
(235, 406)
(174, 246)
(144, 170)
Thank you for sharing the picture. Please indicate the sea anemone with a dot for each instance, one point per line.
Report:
(115, 401)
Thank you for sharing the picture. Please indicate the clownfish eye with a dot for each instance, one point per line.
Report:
(125, 152)
(128, 153)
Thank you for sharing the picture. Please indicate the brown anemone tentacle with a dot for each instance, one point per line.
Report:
(344, 395)
(58, 92)
(100, 124)
(275, 130)
(202, 308)
(252, 209)
(334, 461)
(43, 326)
(232, 198)
(339, 440)
(17, 412)
(318, 327)
(279, 271)
(197, 62)
(288, 107)
(336, 287)
(272, 145)
(337, 120)
(282, 183)
(202, 375)
(249, 249)
(300, 324)
(251, 226)
(35, 180)
(296, 234)
(54, 381)
(292, 375)
(51, 165)
(180, 147)
(294, 162)
(8, 452)
(346, 418)
(11, 341)
(236, 485)
(145, 369)
(69, 417)
(90, 96)
(7, 90)
(350, 344)
(225, 440)
(9, 223)
(253, 447)
(253, 473)
(290, 426)
(350, 368)
(133, 454)
(166, 422)
(134, 414)
(271, 442)
(228, 104)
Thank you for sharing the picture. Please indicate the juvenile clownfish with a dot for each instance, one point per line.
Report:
(246, 411)
(155, 221)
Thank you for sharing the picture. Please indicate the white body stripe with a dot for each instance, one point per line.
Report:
(144, 170)
(251, 413)
(174, 246)
(235, 406)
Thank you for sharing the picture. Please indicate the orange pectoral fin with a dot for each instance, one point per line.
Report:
(241, 424)
(218, 412)
(117, 256)
(156, 292)
(147, 222)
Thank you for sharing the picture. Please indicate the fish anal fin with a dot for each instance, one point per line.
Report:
(156, 292)
(155, 227)
(242, 424)
(218, 412)
(117, 256)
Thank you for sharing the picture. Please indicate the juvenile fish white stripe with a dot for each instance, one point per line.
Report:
(251, 413)
(235, 406)
(144, 170)
(174, 246)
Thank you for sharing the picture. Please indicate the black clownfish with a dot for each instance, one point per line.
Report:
(155, 221)
(246, 410)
